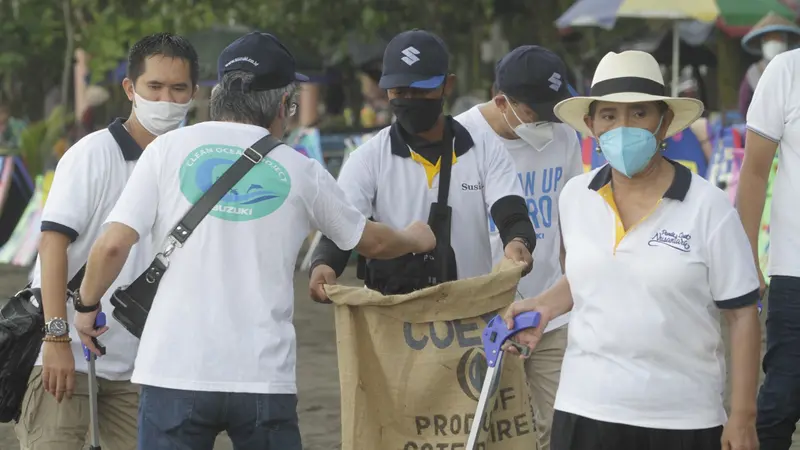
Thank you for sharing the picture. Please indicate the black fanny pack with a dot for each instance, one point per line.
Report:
(413, 272)
(132, 303)
(21, 333)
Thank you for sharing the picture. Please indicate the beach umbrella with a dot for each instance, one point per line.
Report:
(730, 15)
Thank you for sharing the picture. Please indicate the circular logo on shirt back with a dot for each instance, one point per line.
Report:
(259, 193)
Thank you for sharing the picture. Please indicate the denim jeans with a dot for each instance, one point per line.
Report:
(779, 397)
(171, 419)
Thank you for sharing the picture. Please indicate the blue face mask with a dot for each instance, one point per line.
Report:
(629, 149)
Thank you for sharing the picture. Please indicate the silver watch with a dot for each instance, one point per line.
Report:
(56, 327)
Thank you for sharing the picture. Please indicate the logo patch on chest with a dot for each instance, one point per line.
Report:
(671, 239)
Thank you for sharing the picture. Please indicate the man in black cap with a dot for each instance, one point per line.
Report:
(529, 81)
(218, 349)
(395, 178)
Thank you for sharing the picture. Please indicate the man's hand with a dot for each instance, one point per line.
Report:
(320, 276)
(58, 369)
(84, 323)
(740, 433)
(762, 284)
(531, 336)
(518, 252)
(422, 236)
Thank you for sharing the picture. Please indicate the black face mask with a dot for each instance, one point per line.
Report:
(417, 115)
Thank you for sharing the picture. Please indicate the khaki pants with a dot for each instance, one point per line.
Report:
(543, 370)
(47, 425)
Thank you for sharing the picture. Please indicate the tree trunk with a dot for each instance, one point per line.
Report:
(729, 71)
(66, 6)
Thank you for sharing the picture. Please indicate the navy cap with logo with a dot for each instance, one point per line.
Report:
(262, 55)
(415, 59)
(535, 77)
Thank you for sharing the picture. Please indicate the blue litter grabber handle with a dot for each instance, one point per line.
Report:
(99, 322)
(497, 333)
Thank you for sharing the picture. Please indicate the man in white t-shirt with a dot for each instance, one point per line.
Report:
(772, 120)
(161, 81)
(529, 81)
(218, 349)
(395, 178)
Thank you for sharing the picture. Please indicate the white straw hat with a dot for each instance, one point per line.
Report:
(628, 77)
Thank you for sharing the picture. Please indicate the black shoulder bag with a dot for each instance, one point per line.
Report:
(21, 334)
(413, 272)
(132, 303)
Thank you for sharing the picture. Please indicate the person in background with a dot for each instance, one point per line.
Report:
(768, 38)
(547, 154)
(218, 349)
(773, 121)
(376, 111)
(10, 128)
(654, 255)
(161, 82)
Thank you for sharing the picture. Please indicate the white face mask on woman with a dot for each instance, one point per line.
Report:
(772, 48)
(537, 134)
(159, 117)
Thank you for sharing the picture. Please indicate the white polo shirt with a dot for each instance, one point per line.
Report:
(222, 318)
(774, 113)
(645, 347)
(88, 181)
(542, 174)
(388, 181)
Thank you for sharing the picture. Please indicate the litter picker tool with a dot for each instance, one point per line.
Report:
(494, 337)
(94, 431)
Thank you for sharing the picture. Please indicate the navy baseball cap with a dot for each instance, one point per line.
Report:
(415, 59)
(263, 55)
(536, 77)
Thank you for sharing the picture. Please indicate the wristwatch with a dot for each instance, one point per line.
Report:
(524, 242)
(78, 303)
(56, 327)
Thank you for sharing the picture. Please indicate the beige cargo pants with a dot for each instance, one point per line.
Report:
(46, 424)
(543, 370)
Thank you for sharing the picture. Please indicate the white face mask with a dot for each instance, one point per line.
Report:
(771, 49)
(159, 117)
(537, 134)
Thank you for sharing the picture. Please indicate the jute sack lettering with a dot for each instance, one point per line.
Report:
(411, 367)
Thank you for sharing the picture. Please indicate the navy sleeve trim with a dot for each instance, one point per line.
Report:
(749, 299)
(58, 228)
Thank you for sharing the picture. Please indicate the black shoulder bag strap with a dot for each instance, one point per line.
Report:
(440, 217)
(132, 303)
(250, 157)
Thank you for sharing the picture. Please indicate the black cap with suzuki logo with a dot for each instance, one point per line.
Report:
(534, 76)
(415, 59)
(262, 55)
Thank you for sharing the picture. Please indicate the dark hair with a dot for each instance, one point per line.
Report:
(662, 107)
(165, 44)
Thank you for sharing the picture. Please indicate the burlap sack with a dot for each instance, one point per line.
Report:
(411, 367)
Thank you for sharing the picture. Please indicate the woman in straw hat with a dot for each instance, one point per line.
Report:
(768, 38)
(654, 253)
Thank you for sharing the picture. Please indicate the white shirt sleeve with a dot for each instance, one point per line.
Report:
(501, 179)
(732, 272)
(574, 157)
(138, 205)
(78, 184)
(357, 179)
(768, 109)
(332, 214)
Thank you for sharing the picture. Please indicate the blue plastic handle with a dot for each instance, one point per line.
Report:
(497, 333)
(99, 321)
